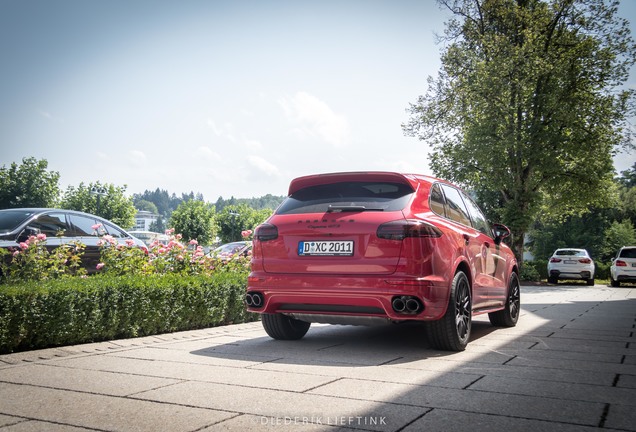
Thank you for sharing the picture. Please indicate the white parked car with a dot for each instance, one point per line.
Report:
(623, 267)
(569, 263)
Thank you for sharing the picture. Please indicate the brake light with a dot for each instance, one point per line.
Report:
(266, 232)
(555, 259)
(401, 229)
(585, 260)
(620, 263)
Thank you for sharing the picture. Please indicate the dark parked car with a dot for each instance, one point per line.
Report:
(381, 247)
(61, 227)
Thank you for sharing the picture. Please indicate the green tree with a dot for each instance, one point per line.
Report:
(146, 206)
(617, 235)
(105, 200)
(194, 219)
(29, 184)
(628, 177)
(234, 219)
(529, 103)
(157, 225)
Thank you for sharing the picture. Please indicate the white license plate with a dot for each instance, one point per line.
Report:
(633, 264)
(570, 262)
(325, 248)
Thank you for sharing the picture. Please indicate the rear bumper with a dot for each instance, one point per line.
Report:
(347, 298)
(585, 274)
(626, 277)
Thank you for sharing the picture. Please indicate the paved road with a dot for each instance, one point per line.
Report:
(570, 365)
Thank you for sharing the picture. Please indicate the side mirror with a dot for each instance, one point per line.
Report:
(500, 232)
(28, 232)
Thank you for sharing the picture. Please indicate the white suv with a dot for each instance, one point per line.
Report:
(623, 266)
(570, 264)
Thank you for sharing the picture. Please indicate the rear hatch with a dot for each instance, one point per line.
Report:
(330, 226)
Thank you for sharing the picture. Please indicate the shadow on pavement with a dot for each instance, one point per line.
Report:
(569, 365)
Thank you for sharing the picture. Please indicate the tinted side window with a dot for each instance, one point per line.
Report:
(455, 207)
(437, 201)
(52, 224)
(83, 226)
(114, 231)
(479, 220)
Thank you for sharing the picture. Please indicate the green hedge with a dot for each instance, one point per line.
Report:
(77, 310)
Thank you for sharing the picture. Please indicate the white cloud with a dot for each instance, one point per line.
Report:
(224, 132)
(263, 165)
(253, 144)
(208, 154)
(317, 118)
(137, 158)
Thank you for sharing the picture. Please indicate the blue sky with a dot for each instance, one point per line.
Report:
(226, 98)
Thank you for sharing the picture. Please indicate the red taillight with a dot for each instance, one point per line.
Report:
(585, 260)
(620, 263)
(266, 232)
(555, 259)
(401, 229)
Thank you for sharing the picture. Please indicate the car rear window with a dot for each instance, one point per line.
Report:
(628, 253)
(356, 196)
(570, 253)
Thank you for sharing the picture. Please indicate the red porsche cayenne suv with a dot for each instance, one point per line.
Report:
(368, 247)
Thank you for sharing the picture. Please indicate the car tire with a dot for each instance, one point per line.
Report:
(282, 327)
(452, 331)
(553, 280)
(509, 315)
(614, 283)
(590, 282)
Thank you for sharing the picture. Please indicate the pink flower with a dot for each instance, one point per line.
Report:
(100, 266)
(24, 245)
(41, 237)
(194, 242)
(96, 226)
(162, 251)
(109, 238)
(178, 236)
(179, 257)
(16, 252)
(130, 242)
(169, 231)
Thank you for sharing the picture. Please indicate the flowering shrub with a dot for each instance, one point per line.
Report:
(33, 261)
(172, 256)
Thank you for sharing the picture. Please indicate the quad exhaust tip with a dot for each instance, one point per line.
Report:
(407, 305)
(254, 299)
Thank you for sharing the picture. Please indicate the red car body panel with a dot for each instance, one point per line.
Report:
(364, 284)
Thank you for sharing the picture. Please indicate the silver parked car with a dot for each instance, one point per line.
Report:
(61, 227)
(570, 263)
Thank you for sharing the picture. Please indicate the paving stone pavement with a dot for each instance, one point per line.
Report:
(569, 365)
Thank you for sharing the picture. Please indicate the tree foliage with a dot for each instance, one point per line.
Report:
(29, 184)
(194, 219)
(528, 103)
(234, 219)
(105, 200)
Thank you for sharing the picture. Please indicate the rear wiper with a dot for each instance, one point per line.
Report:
(351, 208)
